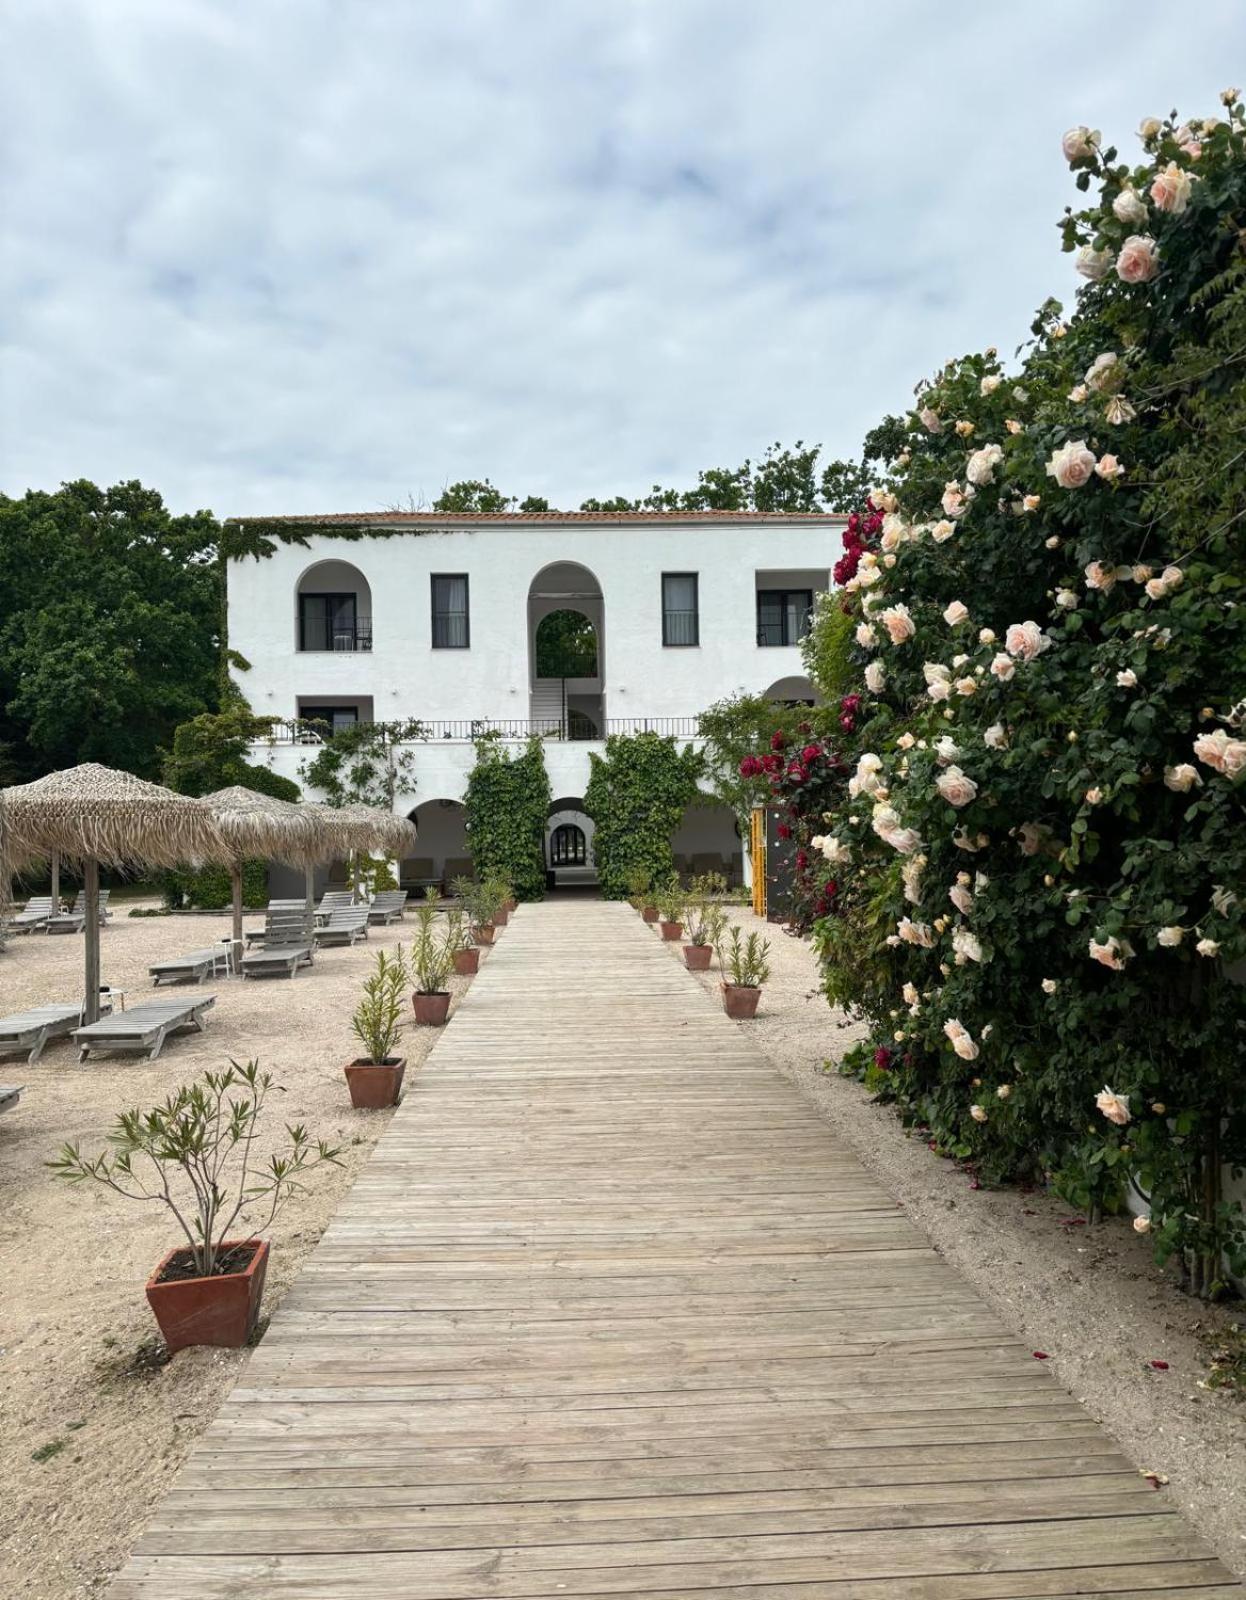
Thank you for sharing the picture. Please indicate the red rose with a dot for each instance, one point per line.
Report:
(783, 831)
(777, 739)
(882, 1057)
(810, 753)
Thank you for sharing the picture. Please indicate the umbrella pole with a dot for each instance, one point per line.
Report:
(235, 877)
(56, 882)
(310, 893)
(91, 886)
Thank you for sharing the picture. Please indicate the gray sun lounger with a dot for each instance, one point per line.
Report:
(80, 906)
(334, 900)
(347, 926)
(33, 915)
(29, 1031)
(285, 922)
(66, 922)
(144, 1027)
(274, 959)
(387, 906)
(10, 1094)
(191, 968)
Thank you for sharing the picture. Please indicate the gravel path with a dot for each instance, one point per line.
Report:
(1091, 1298)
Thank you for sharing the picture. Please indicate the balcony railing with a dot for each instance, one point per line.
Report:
(358, 637)
(298, 731)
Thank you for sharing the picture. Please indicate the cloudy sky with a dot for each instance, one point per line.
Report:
(315, 255)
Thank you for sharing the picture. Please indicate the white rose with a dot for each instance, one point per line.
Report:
(1025, 640)
(1108, 468)
(1066, 599)
(1003, 667)
(955, 787)
(1049, 986)
(1072, 465)
(1080, 144)
(1170, 937)
(875, 677)
(1171, 189)
(961, 898)
(917, 933)
(1212, 749)
(1128, 679)
(867, 635)
(1111, 952)
(989, 384)
(1142, 1224)
(883, 499)
(1101, 577)
(1207, 947)
(995, 738)
(1104, 372)
(1115, 1107)
(942, 531)
(898, 621)
(1156, 588)
(1130, 208)
(956, 613)
(1230, 97)
(1181, 779)
(961, 1039)
(930, 420)
(980, 469)
(978, 1113)
(953, 502)
(946, 750)
(968, 947)
(1138, 261)
(1148, 128)
(1173, 577)
(1093, 264)
(965, 687)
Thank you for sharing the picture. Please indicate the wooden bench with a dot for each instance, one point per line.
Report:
(193, 968)
(30, 1030)
(146, 1027)
(273, 960)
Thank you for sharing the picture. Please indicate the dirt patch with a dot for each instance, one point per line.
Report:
(95, 1417)
(1121, 1336)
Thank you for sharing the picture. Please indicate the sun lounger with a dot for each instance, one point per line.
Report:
(145, 1027)
(66, 922)
(273, 960)
(80, 906)
(33, 915)
(10, 1094)
(285, 922)
(345, 926)
(387, 906)
(30, 1030)
(333, 900)
(192, 968)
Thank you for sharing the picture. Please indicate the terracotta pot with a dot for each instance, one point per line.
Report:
(467, 962)
(650, 913)
(219, 1310)
(672, 930)
(739, 1001)
(483, 933)
(375, 1084)
(501, 918)
(512, 905)
(697, 957)
(431, 1010)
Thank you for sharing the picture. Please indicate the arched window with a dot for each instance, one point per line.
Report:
(567, 846)
(334, 608)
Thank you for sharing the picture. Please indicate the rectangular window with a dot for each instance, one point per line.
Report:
(681, 623)
(333, 717)
(451, 628)
(783, 615)
(330, 622)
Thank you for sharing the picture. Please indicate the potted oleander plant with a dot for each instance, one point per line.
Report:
(375, 1078)
(705, 923)
(466, 951)
(432, 961)
(671, 909)
(640, 894)
(477, 900)
(501, 892)
(745, 967)
(197, 1154)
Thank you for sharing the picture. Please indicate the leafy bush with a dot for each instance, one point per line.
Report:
(505, 810)
(636, 796)
(377, 1021)
(210, 889)
(743, 960)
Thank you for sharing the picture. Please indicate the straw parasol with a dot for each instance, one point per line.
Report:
(366, 828)
(260, 825)
(97, 816)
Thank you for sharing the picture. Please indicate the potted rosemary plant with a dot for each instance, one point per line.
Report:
(432, 961)
(375, 1079)
(196, 1154)
(745, 968)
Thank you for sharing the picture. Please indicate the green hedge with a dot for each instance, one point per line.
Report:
(506, 807)
(636, 796)
(209, 888)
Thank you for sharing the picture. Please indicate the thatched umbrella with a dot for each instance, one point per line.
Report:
(261, 825)
(367, 828)
(94, 815)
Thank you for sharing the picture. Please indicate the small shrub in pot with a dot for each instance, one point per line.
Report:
(670, 908)
(745, 967)
(705, 923)
(432, 961)
(195, 1154)
(479, 901)
(375, 1078)
(640, 894)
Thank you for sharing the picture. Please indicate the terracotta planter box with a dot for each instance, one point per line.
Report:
(650, 913)
(740, 1002)
(483, 933)
(467, 962)
(501, 918)
(374, 1085)
(431, 1010)
(697, 957)
(672, 930)
(512, 905)
(220, 1310)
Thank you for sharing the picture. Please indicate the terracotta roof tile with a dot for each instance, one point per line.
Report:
(440, 519)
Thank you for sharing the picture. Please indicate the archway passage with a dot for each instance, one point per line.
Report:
(445, 853)
(569, 862)
(333, 608)
(566, 652)
(708, 841)
(793, 691)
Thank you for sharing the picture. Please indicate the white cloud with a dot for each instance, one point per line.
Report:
(313, 256)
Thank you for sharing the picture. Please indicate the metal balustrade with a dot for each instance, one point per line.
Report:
(299, 731)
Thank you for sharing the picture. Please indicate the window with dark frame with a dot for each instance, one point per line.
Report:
(568, 846)
(681, 621)
(451, 621)
(332, 622)
(333, 717)
(783, 615)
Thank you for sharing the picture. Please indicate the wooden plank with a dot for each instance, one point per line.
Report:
(611, 1312)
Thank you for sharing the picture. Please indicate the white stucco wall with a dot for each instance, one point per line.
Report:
(406, 677)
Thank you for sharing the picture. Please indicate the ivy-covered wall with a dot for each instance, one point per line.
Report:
(506, 804)
(636, 796)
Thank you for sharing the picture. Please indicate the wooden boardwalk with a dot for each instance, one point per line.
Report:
(611, 1312)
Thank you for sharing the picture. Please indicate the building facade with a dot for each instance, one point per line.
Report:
(570, 625)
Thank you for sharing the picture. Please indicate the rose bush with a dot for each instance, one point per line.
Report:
(1040, 861)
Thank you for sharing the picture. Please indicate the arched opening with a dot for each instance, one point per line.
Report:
(708, 840)
(333, 608)
(569, 845)
(793, 691)
(444, 850)
(566, 652)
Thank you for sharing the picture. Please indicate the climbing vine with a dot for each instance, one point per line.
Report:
(636, 796)
(366, 763)
(506, 805)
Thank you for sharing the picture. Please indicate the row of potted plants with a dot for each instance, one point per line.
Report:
(697, 915)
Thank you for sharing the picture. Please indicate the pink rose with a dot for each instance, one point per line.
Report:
(1138, 261)
(1115, 1107)
(1112, 952)
(956, 613)
(954, 502)
(1107, 468)
(1222, 754)
(1003, 667)
(1171, 189)
(898, 621)
(930, 420)
(1025, 640)
(1072, 465)
(955, 787)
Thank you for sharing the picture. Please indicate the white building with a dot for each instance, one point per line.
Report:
(390, 616)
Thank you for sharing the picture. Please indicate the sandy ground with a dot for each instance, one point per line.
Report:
(1091, 1298)
(76, 1336)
